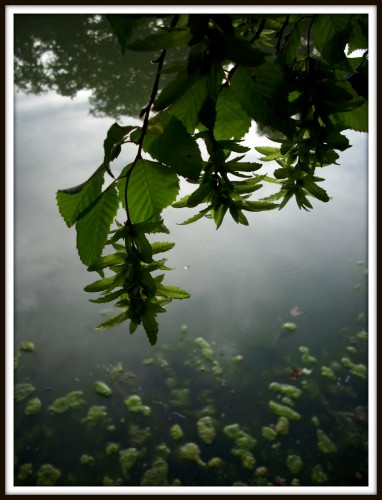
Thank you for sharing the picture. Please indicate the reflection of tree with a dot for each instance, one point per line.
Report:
(72, 52)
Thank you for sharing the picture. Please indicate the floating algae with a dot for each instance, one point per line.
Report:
(241, 438)
(324, 443)
(95, 414)
(248, 461)
(206, 429)
(138, 435)
(287, 390)
(127, 460)
(27, 347)
(294, 464)
(328, 373)
(134, 404)
(102, 389)
(33, 406)
(157, 474)
(176, 432)
(268, 433)
(22, 391)
(112, 448)
(25, 471)
(191, 452)
(72, 401)
(289, 326)
(47, 475)
(318, 475)
(282, 426)
(284, 411)
(87, 459)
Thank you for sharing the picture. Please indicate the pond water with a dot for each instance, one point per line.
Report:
(245, 283)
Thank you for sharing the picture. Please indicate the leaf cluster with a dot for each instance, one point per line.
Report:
(288, 74)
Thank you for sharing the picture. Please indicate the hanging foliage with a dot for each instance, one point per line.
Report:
(289, 74)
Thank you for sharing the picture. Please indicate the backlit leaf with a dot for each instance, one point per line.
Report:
(73, 202)
(152, 188)
(94, 227)
(232, 122)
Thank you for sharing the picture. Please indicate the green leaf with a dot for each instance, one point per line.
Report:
(108, 297)
(331, 33)
(149, 321)
(236, 166)
(100, 285)
(195, 217)
(113, 322)
(112, 143)
(232, 122)
(93, 229)
(233, 146)
(172, 291)
(176, 148)
(108, 260)
(161, 41)
(73, 202)
(161, 246)
(152, 188)
(175, 89)
(270, 153)
(264, 97)
(355, 120)
(258, 206)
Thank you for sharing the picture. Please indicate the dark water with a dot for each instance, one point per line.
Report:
(244, 283)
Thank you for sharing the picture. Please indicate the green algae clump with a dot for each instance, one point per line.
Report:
(282, 426)
(318, 475)
(47, 475)
(33, 407)
(112, 448)
(294, 464)
(242, 439)
(22, 391)
(157, 474)
(324, 443)
(215, 463)
(95, 414)
(328, 373)
(191, 452)
(248, 461)
(206, 430)
(87, 459)
(181, 397)
(176, 432)
(134, 404)
(289, 326)
(102, 389)
(284, 411)
(205, 347)
(287, 390)
(27, 347)
(25, 471)
(72, 401)
(127, 460)
(268, 433)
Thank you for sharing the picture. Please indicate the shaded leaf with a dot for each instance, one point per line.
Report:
(167, 40)
(176, 148)
(113, 322)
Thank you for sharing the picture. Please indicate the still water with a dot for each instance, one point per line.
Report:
(245, 283)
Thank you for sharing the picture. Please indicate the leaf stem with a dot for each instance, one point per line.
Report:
(146, 114)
